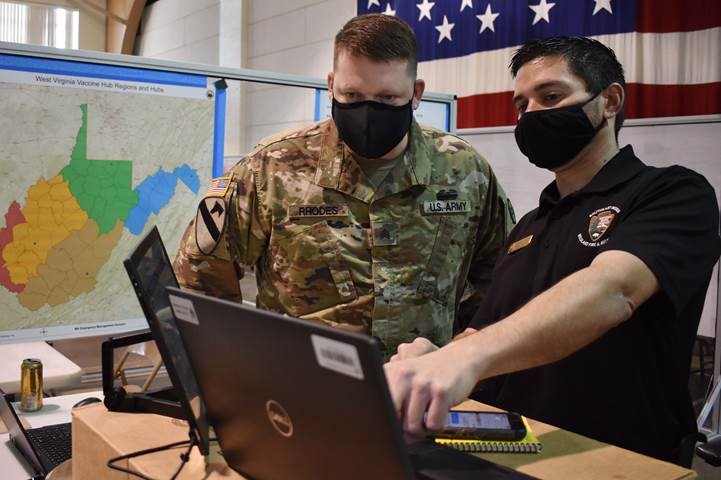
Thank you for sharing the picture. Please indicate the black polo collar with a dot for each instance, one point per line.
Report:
(621, 168)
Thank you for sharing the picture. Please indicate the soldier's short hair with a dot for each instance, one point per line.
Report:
(588, 59)
(378, 37)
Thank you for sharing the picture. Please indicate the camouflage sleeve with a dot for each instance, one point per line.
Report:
(498, 219)
(223, 238)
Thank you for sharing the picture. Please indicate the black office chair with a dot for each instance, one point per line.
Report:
(705, 352)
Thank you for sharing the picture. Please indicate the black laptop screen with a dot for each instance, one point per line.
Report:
(154, 273)
(18, 436)
(150, 268)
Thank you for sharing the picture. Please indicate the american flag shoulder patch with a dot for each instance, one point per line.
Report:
(219, 187)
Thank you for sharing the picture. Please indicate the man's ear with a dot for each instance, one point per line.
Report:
(615, 97)
(419, 86)
(330, 85)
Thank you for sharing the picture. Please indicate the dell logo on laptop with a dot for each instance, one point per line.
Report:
(279, 418)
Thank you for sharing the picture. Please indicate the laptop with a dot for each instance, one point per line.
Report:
(290, 398)
(150, 272)
(44, 448)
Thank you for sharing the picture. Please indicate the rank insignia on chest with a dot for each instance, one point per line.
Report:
(210, 223)
(445, 207)
(519, 244)
(385, 234)
(600, 223)
(321, 210)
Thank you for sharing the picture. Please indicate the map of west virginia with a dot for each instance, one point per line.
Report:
(53, 246)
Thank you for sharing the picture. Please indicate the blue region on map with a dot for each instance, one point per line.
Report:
(188, 176)
(155, 192)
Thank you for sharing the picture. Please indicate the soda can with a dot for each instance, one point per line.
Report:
(31, 385)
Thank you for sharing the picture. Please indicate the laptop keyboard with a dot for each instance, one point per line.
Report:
(53, 442)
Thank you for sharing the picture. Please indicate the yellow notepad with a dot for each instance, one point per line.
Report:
(528, 444)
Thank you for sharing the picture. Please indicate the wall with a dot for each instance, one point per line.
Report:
(294, 36)
(184, 30)
(91, 22)
(92, 26)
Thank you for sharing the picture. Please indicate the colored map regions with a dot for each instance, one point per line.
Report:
(155, 192)
(71, 267)
(103, 188)
(51, 213)
(12, 218)
(52, 248)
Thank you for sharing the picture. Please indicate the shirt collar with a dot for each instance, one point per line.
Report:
(337, 169)
(621, 168)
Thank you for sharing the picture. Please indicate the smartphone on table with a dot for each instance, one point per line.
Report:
(483, 426)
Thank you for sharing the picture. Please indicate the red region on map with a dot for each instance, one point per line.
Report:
(12, 218)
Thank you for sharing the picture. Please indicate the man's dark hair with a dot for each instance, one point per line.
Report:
(588, 59)
(379, 37)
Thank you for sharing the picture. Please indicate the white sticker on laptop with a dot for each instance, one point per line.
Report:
(337, 356)
(183, 309)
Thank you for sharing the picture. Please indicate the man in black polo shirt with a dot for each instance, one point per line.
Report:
(595, 302)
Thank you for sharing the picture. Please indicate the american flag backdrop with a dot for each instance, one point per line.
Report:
(670, 49)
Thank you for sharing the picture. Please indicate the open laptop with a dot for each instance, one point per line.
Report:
(150, 272)
(290, 398)
(44, 448)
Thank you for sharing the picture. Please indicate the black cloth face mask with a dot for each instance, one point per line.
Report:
(553, 137)
(372, 129)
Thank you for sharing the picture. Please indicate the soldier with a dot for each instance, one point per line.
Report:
(368, 221)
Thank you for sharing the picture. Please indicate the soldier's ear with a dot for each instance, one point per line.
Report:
(419, 86)
(330, 85)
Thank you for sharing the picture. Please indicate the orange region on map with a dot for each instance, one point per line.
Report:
(51, 214)
(13, 217)
(71, 267)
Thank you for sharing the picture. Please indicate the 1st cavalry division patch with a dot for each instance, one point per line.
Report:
(210, 219)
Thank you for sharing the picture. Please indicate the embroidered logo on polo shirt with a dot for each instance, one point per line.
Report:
(599, 223)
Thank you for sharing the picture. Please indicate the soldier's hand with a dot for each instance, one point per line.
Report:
(419, 346)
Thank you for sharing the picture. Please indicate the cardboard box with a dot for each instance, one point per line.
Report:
(99, 435)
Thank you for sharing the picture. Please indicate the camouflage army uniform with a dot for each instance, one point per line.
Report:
(396, 262)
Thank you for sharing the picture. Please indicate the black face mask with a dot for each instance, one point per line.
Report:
(551, 138)
(372, 129)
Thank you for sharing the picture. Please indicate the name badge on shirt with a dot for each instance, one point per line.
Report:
(519, 244)
(444, 207)
(316, 211)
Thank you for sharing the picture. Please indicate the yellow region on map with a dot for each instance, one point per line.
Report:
(71, 267)
(51, 214)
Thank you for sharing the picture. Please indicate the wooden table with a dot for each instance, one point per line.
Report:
(99, 435)
(566, 455)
